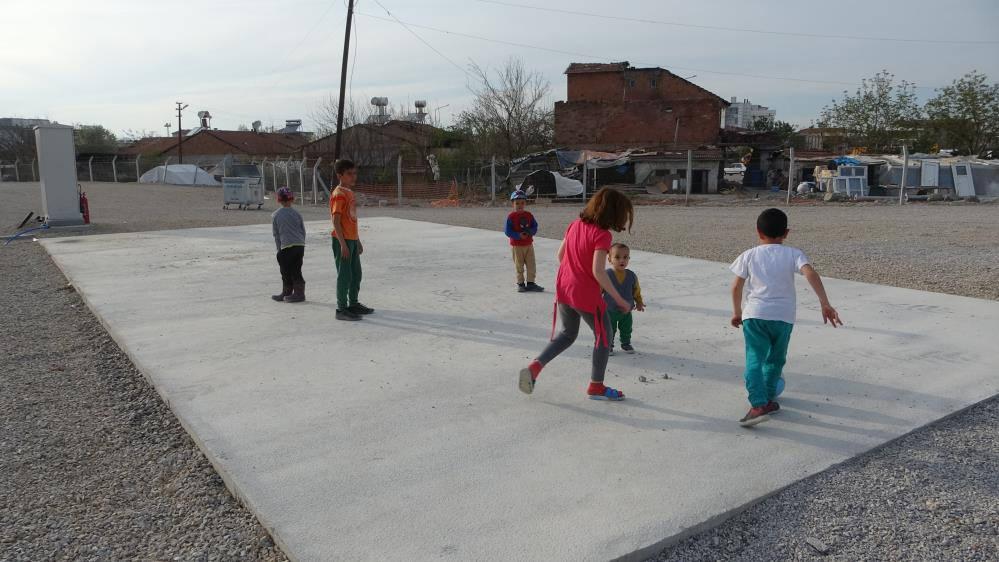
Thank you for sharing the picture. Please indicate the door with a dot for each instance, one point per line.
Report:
(930, 174)
(964, 184)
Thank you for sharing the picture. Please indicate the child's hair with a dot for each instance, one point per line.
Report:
(342, 166)
(610, 210)
(619, 245)
(285, 194)
(772, 223)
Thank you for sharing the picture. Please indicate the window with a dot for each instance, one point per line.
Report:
(961, 170)
(653, 83)
(630, 82)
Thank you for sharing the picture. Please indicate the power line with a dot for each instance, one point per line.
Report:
(740, 29)
(400, 22)
(594, 57)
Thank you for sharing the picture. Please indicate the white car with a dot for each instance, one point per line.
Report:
(737, 168)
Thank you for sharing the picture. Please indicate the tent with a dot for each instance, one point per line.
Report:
(178, 174)
(551, 184)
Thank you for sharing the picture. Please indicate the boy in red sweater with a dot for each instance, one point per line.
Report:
(521, 228)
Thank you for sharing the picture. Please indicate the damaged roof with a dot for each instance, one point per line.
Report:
(586, 67)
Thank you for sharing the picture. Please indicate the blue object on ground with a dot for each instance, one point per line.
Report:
(780, 386)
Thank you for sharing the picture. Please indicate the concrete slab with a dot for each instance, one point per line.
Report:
(404, 437)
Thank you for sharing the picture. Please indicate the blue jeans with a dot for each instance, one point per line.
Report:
(766, 353)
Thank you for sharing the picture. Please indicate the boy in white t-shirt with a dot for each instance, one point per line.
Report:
(767, 270)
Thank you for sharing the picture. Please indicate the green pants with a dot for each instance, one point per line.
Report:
(348, 274)
(620, 321)
(766, 353)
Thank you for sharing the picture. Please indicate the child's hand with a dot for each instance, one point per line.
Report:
(622, 304)
(830, 316)
(640, 307)
(736, 320)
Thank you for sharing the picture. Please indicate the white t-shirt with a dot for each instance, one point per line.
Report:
(769, 273)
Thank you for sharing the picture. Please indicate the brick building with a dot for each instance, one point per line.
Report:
(615, 106)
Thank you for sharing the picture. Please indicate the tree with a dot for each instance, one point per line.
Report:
(511, 115)
(94, 139)
(242, 127)
(879, 115)
(784, 130)
(965, 115)
(325, 115)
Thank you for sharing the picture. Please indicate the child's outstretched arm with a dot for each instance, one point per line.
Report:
(600, 274)
(561, 250)
(737, 286)
(829, 314)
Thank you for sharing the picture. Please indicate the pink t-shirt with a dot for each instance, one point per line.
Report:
(575, 284)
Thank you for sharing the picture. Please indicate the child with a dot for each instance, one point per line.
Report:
(768, 271)
(626, 284)
(347, 248)
(289, 237)
(581, 276)
(521, 228)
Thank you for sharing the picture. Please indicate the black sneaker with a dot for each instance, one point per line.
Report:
(347, 315)
(532, 286)
(626, 347)
(521, 288)
(360, 309)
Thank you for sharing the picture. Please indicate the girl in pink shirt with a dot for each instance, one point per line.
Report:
(582, 275)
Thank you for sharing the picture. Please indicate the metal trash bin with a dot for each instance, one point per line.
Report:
(243, 192)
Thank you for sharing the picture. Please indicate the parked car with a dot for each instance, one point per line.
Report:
(737, 168)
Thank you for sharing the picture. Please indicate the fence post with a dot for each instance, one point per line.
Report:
(114, 168)
(166, 168)
(197, 166)
(34, 173)
(690, 175)
(17, 172)
(398, 180)
(90, 164)
(492, 171)
(905, 172)
(287, 172)
(137, 158)
(301, 179)
(790, 176)
(315, 180)
(585, 172)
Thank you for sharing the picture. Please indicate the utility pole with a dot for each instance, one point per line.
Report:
(343, 82)
(180, 149)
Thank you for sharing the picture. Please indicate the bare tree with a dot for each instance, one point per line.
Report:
(511, 114)
(325, 115)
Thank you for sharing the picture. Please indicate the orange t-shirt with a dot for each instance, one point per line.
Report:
(342, 203)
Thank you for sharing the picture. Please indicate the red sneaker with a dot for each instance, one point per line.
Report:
(754, 416)
(772, 407)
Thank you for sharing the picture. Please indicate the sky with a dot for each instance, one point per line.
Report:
(123, 63)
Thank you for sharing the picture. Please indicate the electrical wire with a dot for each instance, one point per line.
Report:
(594, 57)
(407, 26)
(741, 29)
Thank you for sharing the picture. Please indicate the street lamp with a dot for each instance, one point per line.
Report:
(437, 114)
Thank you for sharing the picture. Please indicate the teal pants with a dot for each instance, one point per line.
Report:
(620, 322)
(348, 274)
(766, 353)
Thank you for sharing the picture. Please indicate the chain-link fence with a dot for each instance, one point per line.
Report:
(311, 178)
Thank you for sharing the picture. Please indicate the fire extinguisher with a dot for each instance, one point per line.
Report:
(85, 207)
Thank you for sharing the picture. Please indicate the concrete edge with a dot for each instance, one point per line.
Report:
(227, 478)
(653, 550)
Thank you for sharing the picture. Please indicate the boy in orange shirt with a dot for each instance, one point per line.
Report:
(347, 248)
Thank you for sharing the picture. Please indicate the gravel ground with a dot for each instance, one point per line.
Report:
(94, 466)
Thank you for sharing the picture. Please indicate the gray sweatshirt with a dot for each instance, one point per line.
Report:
(288, 227)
